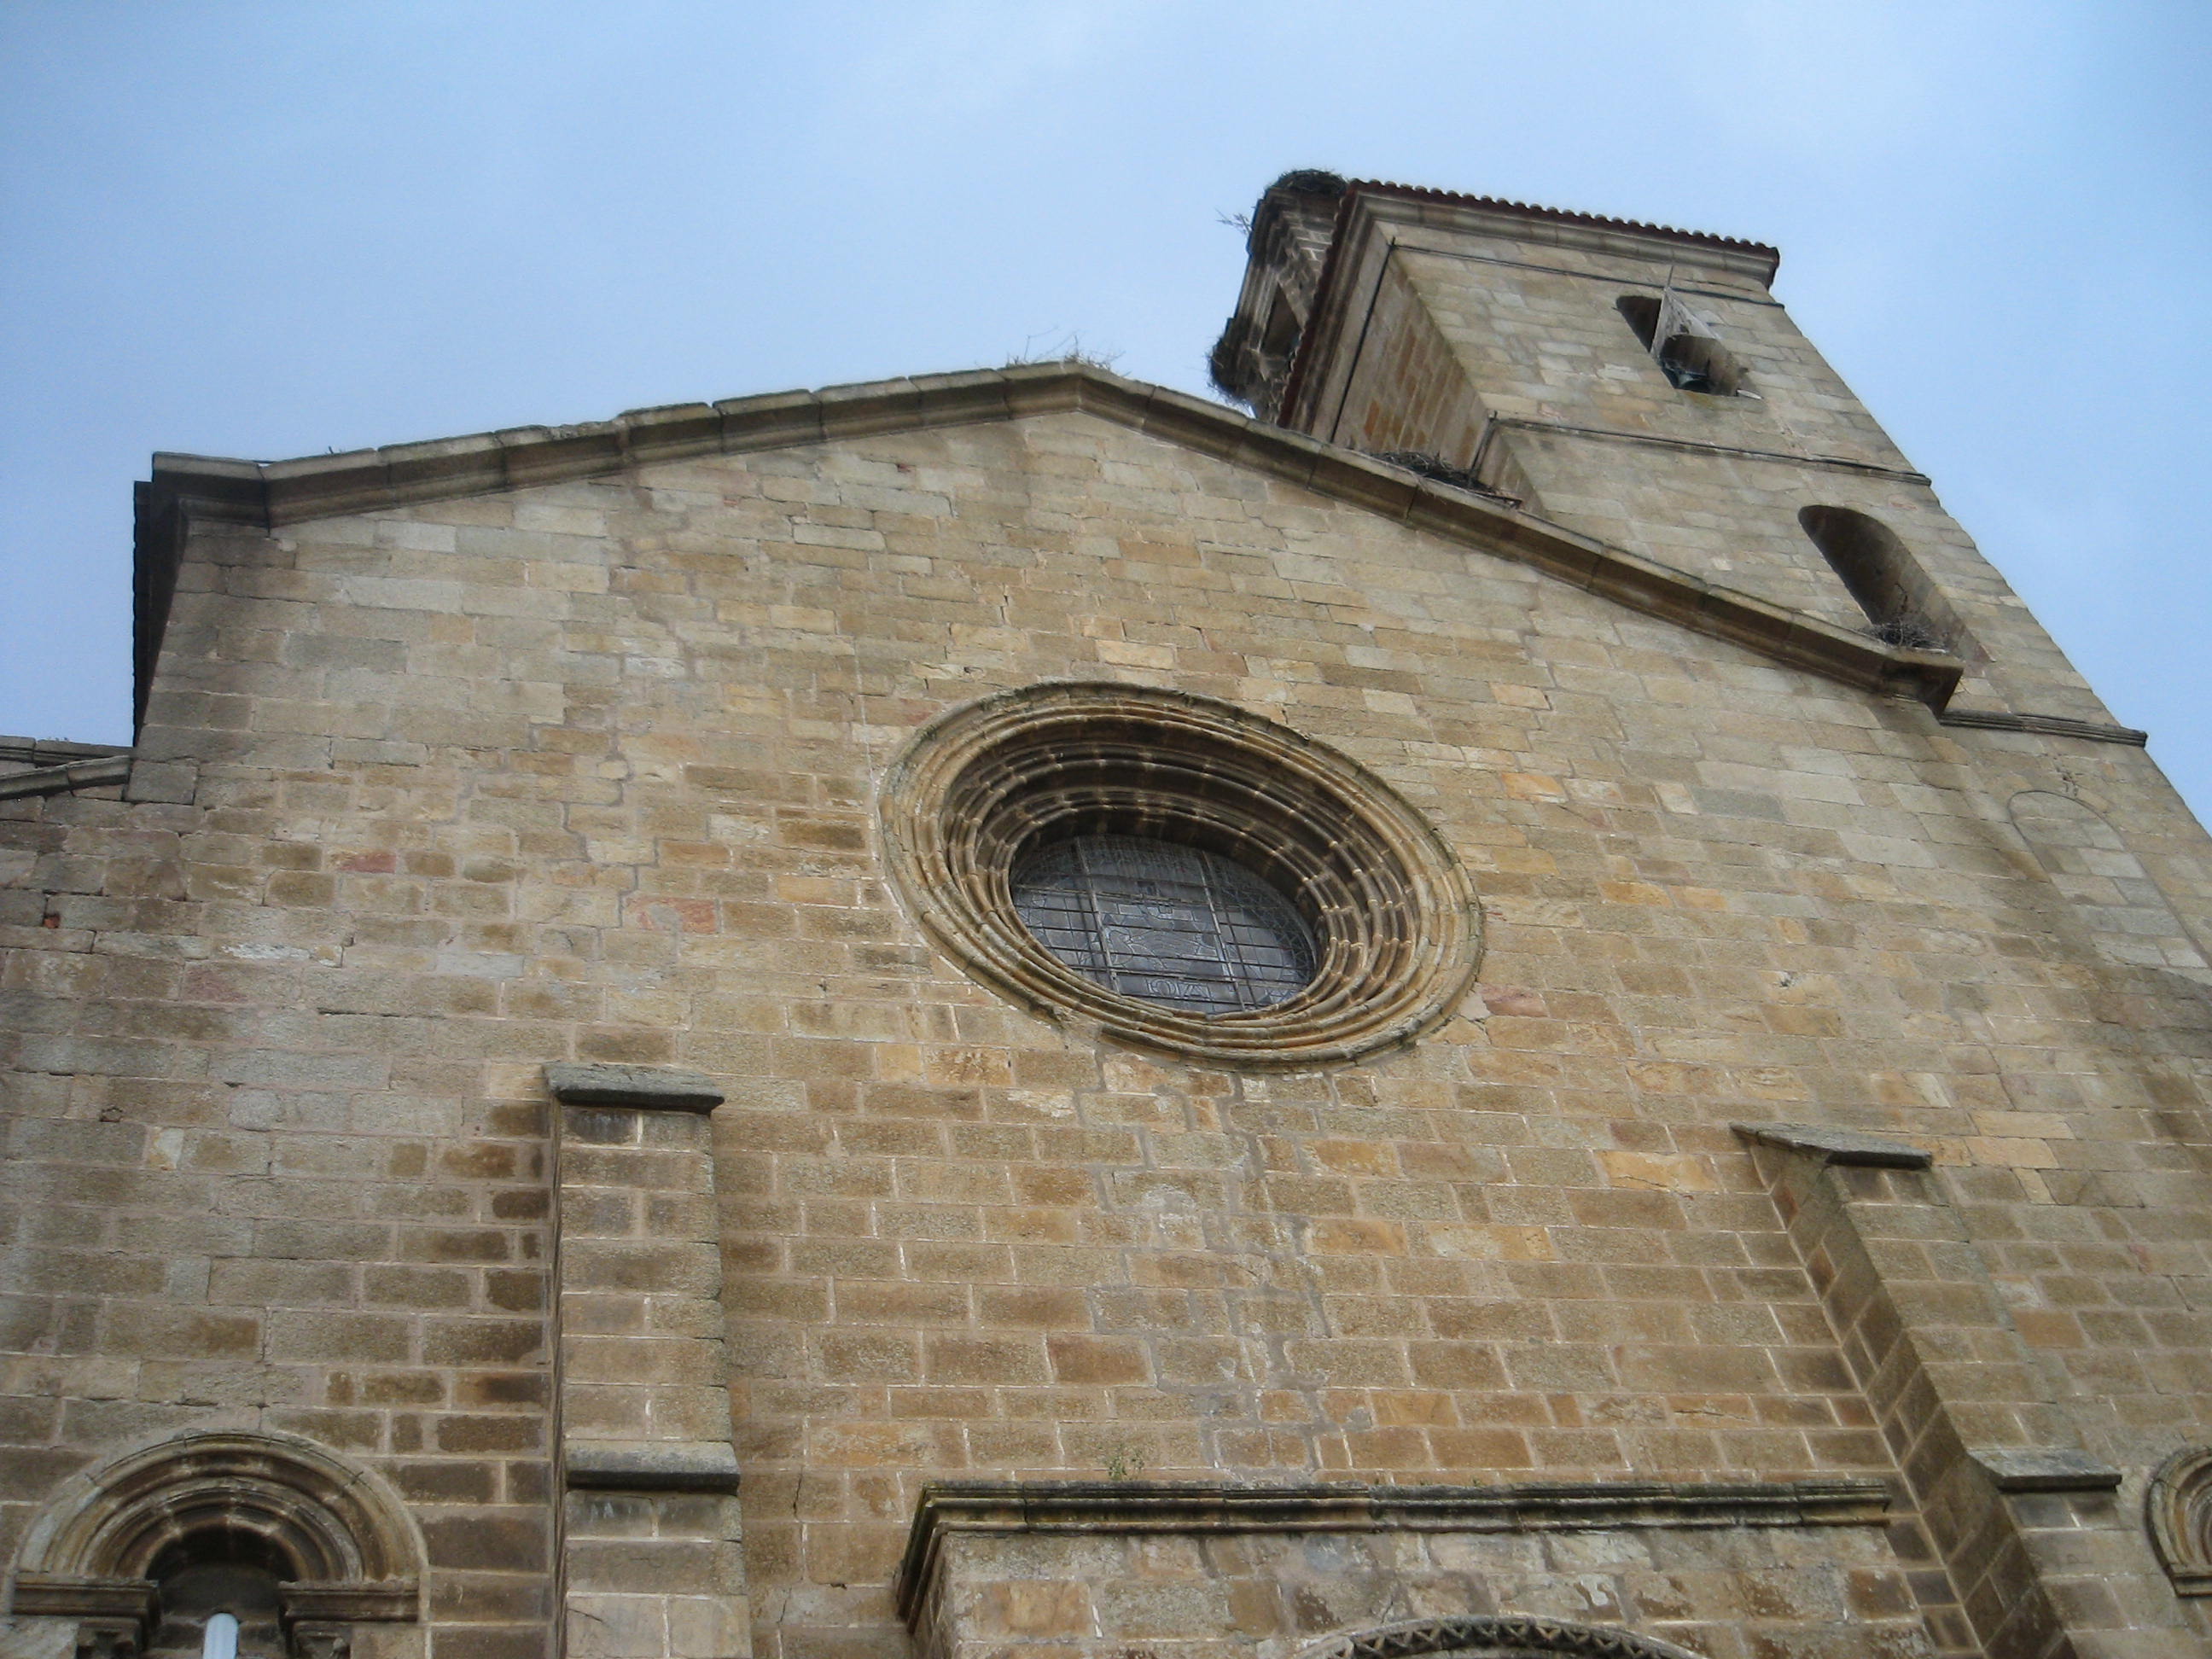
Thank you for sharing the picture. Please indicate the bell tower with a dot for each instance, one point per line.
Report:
(1638, 384)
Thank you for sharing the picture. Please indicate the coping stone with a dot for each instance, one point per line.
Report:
(77, 774)
(52, 751)
(2045, 1469)
(703, 1466)
(649, 1088)
(1852, 1148)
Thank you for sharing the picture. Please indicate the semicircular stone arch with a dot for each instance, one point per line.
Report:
(2180, 1505)
(1494, 1636)
(337, 1542)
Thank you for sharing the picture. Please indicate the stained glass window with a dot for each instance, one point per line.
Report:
(1170, 924)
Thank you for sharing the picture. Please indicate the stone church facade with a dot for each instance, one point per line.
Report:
(1510, 1007)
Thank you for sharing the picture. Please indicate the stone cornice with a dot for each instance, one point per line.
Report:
(692, 1466)
(68, 1595)
(2050, 726)
(198, 489)
(1123, 1507)
(2045, 1468)
(76, 774)
(52, 751)
(1591, 233)
(393, 1601)
(1853, 1148)
(647, 1088)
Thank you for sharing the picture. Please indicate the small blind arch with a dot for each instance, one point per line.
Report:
(2124, 911)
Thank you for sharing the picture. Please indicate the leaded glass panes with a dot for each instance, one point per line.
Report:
(1169, 924)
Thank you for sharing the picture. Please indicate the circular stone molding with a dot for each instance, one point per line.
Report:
(1397, 930)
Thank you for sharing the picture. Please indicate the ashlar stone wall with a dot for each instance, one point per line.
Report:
(586, 772)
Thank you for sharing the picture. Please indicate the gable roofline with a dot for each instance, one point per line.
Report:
(185, 490)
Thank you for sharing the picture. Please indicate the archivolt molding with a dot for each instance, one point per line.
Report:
(1398, 930)
(1495, 1636)
(2179, 1507)
(346, 1547)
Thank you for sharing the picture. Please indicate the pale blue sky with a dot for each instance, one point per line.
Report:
(274, 229)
